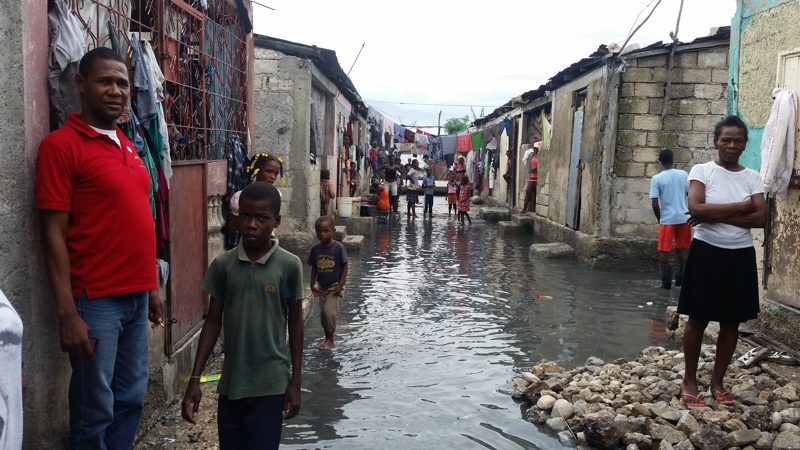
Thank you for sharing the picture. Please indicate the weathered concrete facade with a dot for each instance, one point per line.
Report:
(290, 80)
(764, 55)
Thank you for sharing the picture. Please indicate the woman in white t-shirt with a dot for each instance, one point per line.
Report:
(720, 282)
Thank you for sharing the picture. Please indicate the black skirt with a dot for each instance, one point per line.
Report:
(719, 284)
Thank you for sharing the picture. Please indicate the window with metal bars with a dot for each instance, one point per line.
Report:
(203, 53)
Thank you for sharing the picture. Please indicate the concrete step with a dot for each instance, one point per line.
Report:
(523, 219)
(495, 214)
(353, 242)
(551, 250)
(505, 227)
(358, 225)
(340, 232)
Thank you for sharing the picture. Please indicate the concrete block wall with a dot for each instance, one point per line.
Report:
(283, 86)
(696, 101)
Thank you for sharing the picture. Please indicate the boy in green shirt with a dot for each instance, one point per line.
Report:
(256, 290)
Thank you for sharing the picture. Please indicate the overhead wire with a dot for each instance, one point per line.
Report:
(625, 44)
(429, 104)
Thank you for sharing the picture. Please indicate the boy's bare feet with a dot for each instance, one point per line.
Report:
(326, 344)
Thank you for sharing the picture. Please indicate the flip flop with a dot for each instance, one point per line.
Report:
(693, 401)
(750, 358)
(782, 358)
(723, 397)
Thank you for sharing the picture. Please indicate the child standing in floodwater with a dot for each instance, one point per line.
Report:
(452, 194)
(412, 195)
(428, 185)
(464, 198)
(328, 261)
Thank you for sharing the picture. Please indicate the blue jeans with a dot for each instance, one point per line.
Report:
(106, 391)
(250, 423)
(428, 204)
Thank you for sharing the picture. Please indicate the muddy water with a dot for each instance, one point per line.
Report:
(438, 319)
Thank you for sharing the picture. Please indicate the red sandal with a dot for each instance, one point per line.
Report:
(693, 401)
(723, 397)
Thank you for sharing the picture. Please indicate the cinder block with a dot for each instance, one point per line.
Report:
(633, 105)
(638, 74)
(624, 154)
(720, 76)
(639, 215)
(719, 107)
(660, 74)
(678, 123)
(647, 122)
(686, 60)
(694, 106)
(625, 229)
(649, 90)
(625, 122)
(645, 155)
(652, 170)
(704, 123)
(708, 91)
(652, 61)
(683, 155)
(678, 90)
(716, 60)
(693, 140)
(695, 75)
(354, 242)
(626, 90)
(656, 106)
(632, 169)
(508, 227)
(662, 139)
(632, 138)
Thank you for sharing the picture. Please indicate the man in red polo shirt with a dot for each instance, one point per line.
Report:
(99, 247)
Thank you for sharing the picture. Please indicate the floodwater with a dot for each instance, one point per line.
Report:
(437, 320)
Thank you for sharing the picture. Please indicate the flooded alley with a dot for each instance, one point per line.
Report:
(437, 320)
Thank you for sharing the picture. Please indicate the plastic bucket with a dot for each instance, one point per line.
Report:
(345, 206)
(356, 207)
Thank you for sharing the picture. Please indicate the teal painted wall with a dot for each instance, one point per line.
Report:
(752, 153)
(745, 10)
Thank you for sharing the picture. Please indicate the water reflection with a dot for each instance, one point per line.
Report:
(437, 320)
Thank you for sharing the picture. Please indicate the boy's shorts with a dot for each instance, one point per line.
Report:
(254, 422)
(680, 235)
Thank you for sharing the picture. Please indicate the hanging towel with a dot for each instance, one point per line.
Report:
(777, 144)
(409, 137)
(399, 133)
(477, 140)
(421, 143)
(449, 144)
(463, 143)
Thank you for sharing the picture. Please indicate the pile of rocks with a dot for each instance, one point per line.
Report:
(636, 405)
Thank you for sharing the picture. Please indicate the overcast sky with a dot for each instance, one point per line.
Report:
(470, 52)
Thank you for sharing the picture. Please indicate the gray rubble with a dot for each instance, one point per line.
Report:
(636, 404)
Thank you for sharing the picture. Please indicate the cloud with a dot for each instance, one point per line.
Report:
(471, 52)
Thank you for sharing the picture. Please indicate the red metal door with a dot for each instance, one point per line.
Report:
(186, 302)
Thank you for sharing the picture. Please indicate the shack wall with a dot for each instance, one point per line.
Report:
(697, 101)
(283, 85)
(767, 29)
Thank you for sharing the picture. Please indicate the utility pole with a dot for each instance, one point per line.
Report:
(439, 124)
